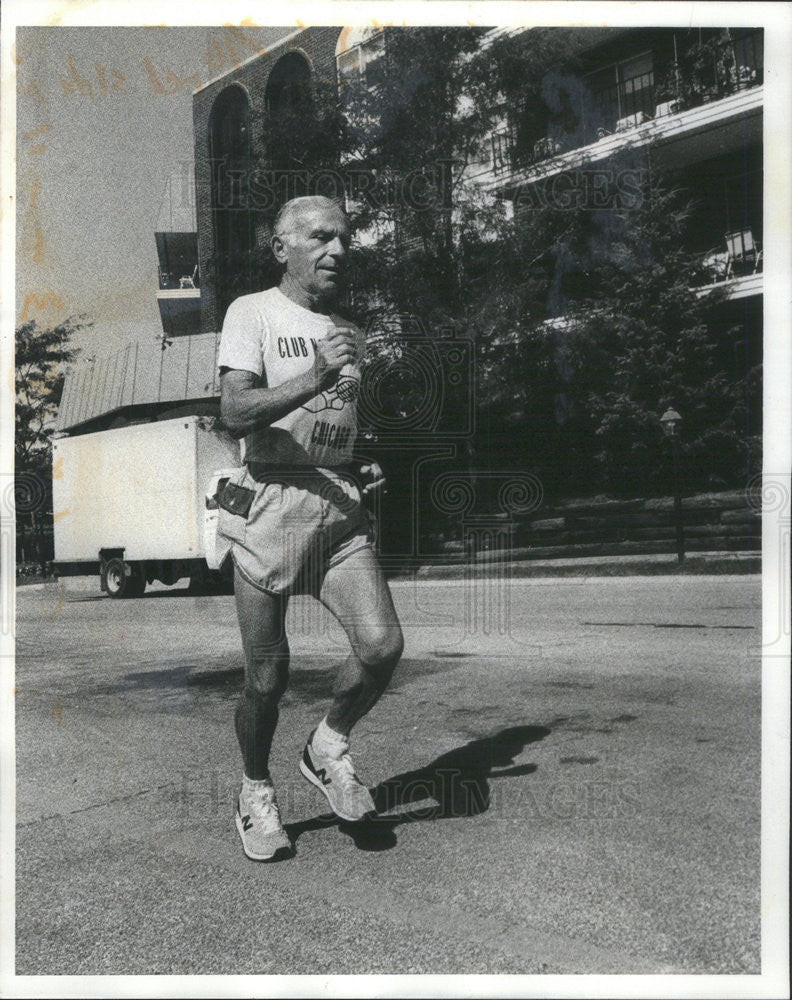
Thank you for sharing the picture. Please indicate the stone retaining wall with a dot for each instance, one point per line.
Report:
(712, 522)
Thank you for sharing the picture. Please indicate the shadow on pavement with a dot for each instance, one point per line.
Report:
(152, 595)
(457, 781)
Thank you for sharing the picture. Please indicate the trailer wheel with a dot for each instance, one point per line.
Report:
(117, 584)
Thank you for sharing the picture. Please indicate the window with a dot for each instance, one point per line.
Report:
(289, 86)
(623, 89)
(357, 48)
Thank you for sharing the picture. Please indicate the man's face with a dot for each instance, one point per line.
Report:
(315, 251)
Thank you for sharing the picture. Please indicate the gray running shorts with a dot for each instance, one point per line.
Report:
(301, 522)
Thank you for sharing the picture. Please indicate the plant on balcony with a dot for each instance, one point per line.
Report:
(708, 69)
(727, 71)
(699, 83)
(743, 77)
(669, 85)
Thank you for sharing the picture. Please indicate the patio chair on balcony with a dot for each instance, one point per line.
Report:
(744, 252)
(188, 280)
(545, 147)
(666, 108)
(631, 121)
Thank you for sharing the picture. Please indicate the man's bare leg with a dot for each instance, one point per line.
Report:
(262, 624)
(357, 593)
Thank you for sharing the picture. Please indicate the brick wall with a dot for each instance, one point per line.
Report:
(318, 46)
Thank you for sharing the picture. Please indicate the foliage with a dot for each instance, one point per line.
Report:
(41, 356)
(704, 71)
(644, 339)
(414, 123)
(577, 401)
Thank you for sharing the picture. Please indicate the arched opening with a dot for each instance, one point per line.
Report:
(231, 160)
(290, 112)
(356, 49)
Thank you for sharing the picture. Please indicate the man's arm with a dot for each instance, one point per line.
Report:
(245, 407)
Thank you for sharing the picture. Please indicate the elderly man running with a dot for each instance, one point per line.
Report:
(294, 515)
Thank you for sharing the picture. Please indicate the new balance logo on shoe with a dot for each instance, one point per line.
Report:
(260, 827)
(336, 779)
(320, 772)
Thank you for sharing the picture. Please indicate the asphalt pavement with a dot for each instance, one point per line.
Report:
(567, 771)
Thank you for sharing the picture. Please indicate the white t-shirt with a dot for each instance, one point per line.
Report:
(268, 334)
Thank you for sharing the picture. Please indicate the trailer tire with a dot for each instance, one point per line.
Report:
(117, 584)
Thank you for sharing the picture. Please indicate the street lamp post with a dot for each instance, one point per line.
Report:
(669, 421)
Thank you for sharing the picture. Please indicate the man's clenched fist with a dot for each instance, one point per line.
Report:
(336, 350)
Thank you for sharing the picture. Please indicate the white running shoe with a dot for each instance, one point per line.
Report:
(259, 824)
(334, 775)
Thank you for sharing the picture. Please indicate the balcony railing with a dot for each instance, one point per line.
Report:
(739, 256)
(175, 280)
(508, 155)
(706, 72)
(619, 108)
(503, 147)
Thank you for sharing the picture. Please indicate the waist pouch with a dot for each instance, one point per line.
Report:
(236, 499)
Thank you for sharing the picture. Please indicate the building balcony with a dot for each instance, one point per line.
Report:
(741, 287)
(680, 137)
(180, 311)
(697, 112)
(737, 266)
(176, 236)
(179, 293)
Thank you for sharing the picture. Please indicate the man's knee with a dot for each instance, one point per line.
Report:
(380, 649)
(268, 676)
(265, 691)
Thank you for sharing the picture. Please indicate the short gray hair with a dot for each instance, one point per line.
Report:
(291, 210)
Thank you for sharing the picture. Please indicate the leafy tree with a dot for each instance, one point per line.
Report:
(641, 339)
(435, 245)
(40, 359)
(576, 400)
(414, 125)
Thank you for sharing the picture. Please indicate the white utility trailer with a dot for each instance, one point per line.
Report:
(136, 504)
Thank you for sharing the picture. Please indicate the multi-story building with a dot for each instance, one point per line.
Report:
(213, 219)
(693, 98)
(688, 102)
(245, 166)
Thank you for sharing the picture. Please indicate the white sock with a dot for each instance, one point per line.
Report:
(325, 738)
(255, 786)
